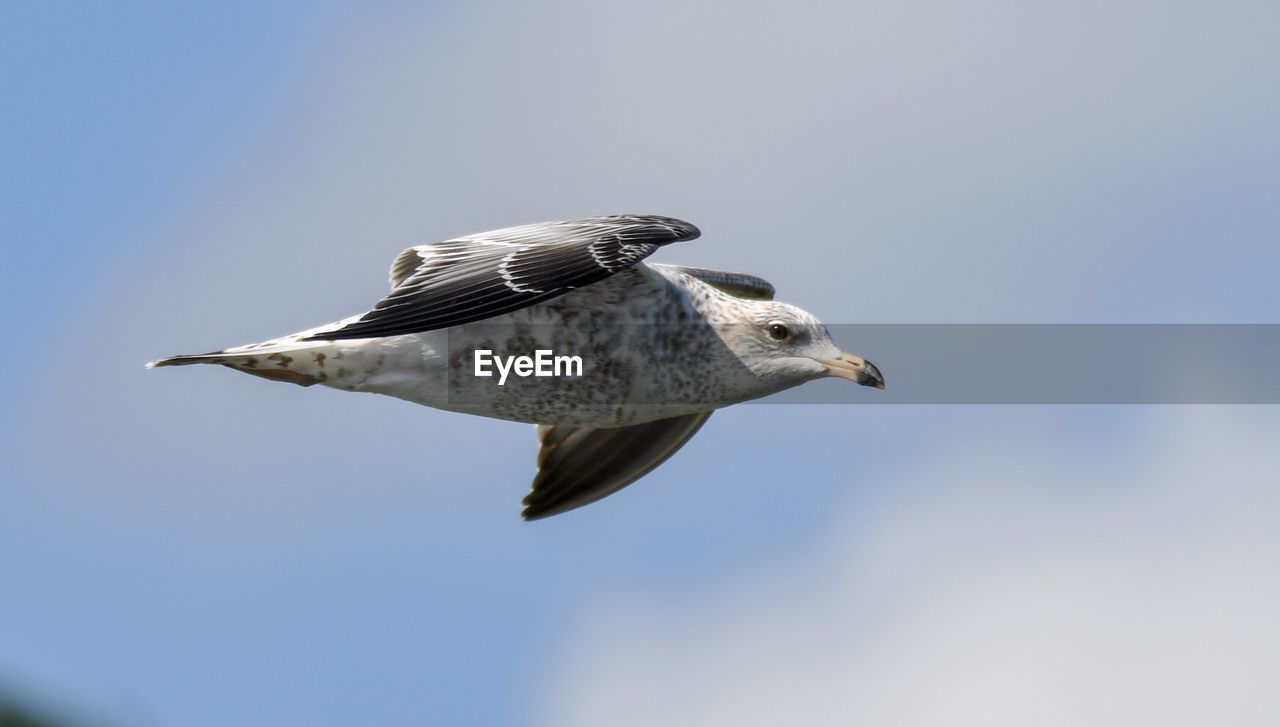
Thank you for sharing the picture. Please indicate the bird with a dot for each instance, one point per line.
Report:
(658, 347)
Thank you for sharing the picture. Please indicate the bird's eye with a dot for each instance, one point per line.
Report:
(779, 332)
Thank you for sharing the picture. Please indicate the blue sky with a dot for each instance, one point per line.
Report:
(195, 547)
(118, 112)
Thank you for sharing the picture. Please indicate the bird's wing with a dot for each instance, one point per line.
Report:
(579, 465)
(739, 285)
(480, 276)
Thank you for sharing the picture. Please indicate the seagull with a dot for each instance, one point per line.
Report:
(658, 347)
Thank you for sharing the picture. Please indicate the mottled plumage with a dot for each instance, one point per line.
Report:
(662, 346)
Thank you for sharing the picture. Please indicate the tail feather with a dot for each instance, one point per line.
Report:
(282, 359)
(188, 359)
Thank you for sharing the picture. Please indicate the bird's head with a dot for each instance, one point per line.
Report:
(786, 346)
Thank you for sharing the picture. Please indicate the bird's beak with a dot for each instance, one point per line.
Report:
(854, 368)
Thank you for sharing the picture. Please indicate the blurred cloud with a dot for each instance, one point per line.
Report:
(982, 589)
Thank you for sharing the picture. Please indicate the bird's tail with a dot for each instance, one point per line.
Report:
(188, 359)
(282, 359)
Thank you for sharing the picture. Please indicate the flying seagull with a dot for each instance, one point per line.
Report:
(657, 347)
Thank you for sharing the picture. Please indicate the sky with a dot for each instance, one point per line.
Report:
(194, 547)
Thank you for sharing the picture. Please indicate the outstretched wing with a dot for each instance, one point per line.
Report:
(485, 275)
(579, 465)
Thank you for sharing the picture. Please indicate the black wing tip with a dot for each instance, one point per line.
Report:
(683, 231)
(686, 231)
(539, 506)
(533, 513)
(678, 229)
(538, 510)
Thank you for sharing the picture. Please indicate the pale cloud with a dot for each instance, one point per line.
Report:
(983, 591)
